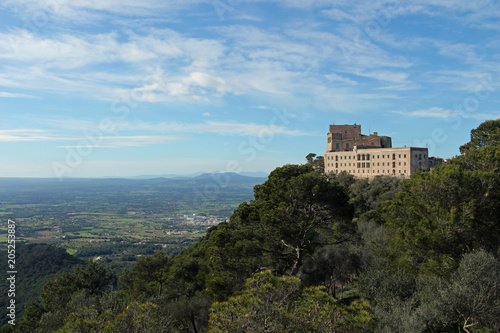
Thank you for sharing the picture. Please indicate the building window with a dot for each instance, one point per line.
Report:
(383, 156)
(346, 146)
(359, 165)
(393, 164)
(405, 163)
(336, 165)
(378, 156)
(405, 155)
(373, 144)
(336, 158)
(399, 163)
(337, 145)
(393, 156)
(367, 157)
(419, 156)
(399, 155)
(368, 164)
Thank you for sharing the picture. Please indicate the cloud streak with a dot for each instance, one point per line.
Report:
(16, 95)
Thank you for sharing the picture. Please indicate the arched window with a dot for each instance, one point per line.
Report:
(393, 156)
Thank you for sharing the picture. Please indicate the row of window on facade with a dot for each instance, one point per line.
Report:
(374, 171)
(366, 164)
(366, 157)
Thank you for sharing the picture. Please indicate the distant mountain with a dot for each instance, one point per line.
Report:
(225, 175)
(167, 175)
(212, 180)
(258, 174)
(222, 179)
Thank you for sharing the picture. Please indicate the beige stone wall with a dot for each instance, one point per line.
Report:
(346, 137)
(367, 163)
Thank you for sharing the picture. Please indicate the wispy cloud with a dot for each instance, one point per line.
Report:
(39, 135)
(130, 141)
(27, 135)
(213, 127)
(16, 95)
(85, 11)
(434, 112)
(438, 112)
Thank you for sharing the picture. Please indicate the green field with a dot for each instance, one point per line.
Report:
(118, 220)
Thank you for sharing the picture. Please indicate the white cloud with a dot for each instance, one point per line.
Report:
(438, 112)
(434, 112)
(262, 107)
(102, 141)
(390, 76)
(129, 141)
(85, 11)
(338, 78)
(220, 128)
(27, 135)
(192, 87)
(207, 81)
(15, 95)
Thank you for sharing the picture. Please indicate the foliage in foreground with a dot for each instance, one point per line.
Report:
(281, 304)
(425, 252)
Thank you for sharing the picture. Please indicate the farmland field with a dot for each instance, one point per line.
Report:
(119, 220)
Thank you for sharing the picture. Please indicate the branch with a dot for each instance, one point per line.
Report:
(466, 326)
(289, 246)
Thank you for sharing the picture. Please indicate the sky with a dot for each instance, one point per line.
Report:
(124, 87)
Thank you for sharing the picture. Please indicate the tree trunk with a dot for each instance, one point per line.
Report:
(298, 261)
(193, 322)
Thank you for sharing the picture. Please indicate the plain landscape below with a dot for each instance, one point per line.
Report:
(119, 220)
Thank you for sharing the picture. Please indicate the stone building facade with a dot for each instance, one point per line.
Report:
(368, 156)
(345, 137)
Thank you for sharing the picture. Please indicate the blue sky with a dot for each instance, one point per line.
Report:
(121, 88)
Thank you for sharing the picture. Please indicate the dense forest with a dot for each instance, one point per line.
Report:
(314, 253)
